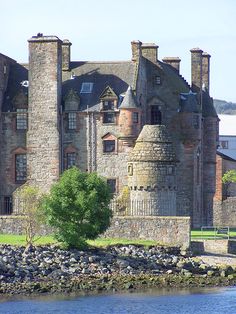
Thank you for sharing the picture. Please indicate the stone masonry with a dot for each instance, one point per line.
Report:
(90, 114)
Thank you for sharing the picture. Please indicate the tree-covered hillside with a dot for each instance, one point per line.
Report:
(224, 107)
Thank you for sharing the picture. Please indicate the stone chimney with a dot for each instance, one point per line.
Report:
(206, 71)
(43, 138)
(173, 61)
(136, 50)
(196, 69)
(66, 55)
(150, 51)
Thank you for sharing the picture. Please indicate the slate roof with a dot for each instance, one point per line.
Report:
(189, 102)
(129, 101)
(18, 73)
(118, 75)
(208, 109)
(225, 156)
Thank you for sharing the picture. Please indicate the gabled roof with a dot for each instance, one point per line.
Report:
(129, 101)
(108, 92)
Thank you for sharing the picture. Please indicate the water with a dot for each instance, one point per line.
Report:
(160, 301)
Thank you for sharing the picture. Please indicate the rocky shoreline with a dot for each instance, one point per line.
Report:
(50, 269)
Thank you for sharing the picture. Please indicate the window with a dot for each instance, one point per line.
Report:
(157, 80)
(71, 120)
(7, 205)
(108, 105)
(224, 144)
(70, 160)
(86, 88)
(21, 119)
(108, 117)
(196, 121)
(4, 69)
(20, 167)
(109, 146)
(170, 170)
(155, 115)
(112, 184)
(130, 169)
(135, 117)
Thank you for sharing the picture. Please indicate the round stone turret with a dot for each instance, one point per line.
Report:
(152, 173)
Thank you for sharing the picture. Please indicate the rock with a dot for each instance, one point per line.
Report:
(210, 273)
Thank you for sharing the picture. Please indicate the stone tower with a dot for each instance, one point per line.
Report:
(43, 136)
(152, 173)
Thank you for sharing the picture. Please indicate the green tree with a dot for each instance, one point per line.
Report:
(228, 178)
(29, 200)
(78, 207)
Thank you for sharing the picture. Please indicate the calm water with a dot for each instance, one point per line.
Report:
(222, 301)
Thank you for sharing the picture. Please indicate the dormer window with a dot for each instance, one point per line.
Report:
(86, 88)
(108, 105)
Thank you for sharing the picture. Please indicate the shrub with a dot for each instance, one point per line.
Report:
(78, 207)
(29, 204)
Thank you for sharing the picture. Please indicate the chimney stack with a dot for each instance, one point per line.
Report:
(196, 69)
(173, 61)
(206, 70)
(150, 52)
(66, 55)
(136, 50)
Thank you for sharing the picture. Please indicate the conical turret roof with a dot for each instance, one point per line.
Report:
(129, 101)
(153, 144)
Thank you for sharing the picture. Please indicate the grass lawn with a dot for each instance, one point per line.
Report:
(14, 239)
(211, 234)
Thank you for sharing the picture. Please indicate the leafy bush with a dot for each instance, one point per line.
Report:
(29, 201)
(78, 207)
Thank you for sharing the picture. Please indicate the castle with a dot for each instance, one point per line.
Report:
(56, 113)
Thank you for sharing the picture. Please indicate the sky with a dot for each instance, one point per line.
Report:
(103, 29)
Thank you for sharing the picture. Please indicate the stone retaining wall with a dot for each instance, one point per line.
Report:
(15, 225)
(225, 212)
(171, 230)
(223, 246)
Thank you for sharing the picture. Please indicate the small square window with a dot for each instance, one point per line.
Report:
(112, 184)
(130, 169)
(157, 80)
(108, 117)
(135, 117)
(86, 88)
(71, 120)
(109, 146)
(224, 144)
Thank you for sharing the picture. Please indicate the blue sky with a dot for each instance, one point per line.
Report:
(103, 30)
